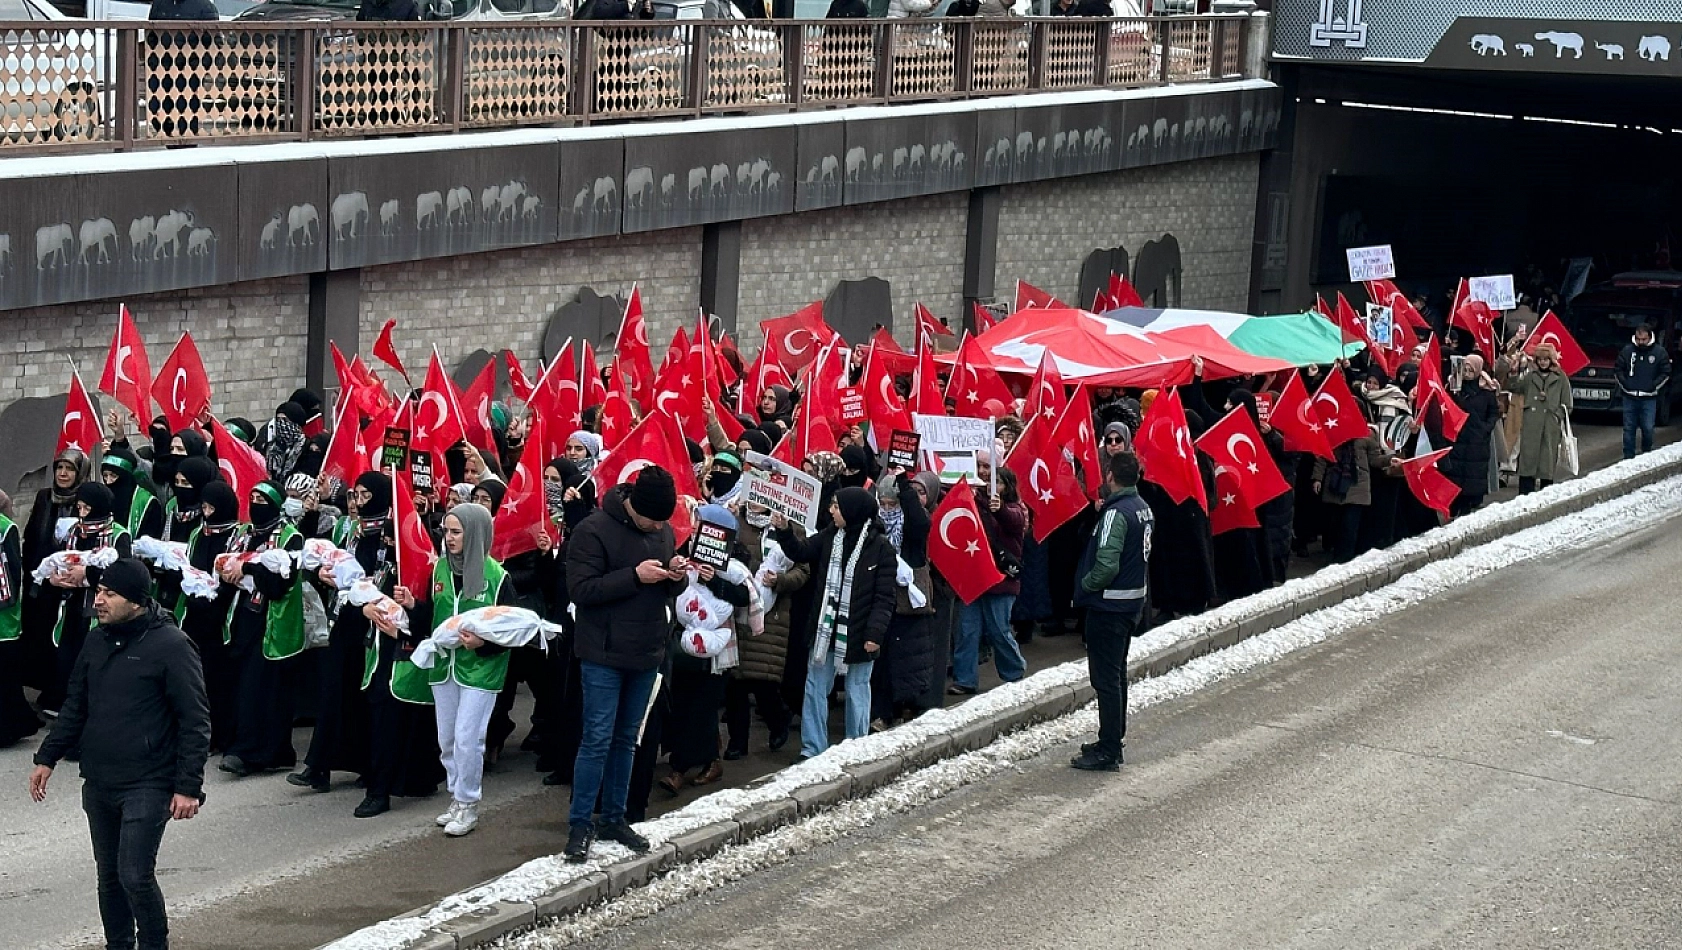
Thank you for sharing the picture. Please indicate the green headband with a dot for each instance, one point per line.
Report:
(117, 462)
(729, 460)
(239, 431)
(270, 492)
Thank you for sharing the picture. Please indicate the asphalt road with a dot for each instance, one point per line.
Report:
(269, 867)
(1499, 768)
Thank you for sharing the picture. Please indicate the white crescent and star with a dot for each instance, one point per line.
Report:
(423, 429)
(1240, 438)
(788, 342)
(175, 397)
(1034, 480)
(970, 547)
(122, 360)
(1331, 420)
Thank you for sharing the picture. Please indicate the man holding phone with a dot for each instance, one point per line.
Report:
(137, 685)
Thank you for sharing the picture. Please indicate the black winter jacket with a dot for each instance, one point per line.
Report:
(622, 622)
(1643, 370)
(137, 706)
(874, 589)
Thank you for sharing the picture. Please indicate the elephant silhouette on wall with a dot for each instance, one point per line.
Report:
(29, 429)
(588, 316)
(1095, 272)
(1158, 272)
(854, 308)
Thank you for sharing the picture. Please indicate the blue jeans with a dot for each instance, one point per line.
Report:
(614, 703)
(814, 712)
(990, 615)
(1640, 414)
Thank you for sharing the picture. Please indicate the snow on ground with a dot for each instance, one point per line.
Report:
(544, 875)
(1584, 529)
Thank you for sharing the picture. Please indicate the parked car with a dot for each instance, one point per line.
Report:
(1604, 318)
(52, 82)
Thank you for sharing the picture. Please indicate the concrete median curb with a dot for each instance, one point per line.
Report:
(547, 888)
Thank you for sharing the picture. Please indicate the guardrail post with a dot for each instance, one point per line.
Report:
(884, 90)
(1217, 49)
(699, 45)
(127, 87)
(1165, 43)
(585, 87)
(963, 56)
(1101, 58)
(1036, 55)
(303, 82)
(1244, 28)
(794, 63)
(454, 76)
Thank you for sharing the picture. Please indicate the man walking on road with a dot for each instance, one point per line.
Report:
(136, 706)
(623, 574)
(1643, 372)
(1113, 581)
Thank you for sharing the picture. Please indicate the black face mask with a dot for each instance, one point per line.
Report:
(723, 483)
(186, 498)
(264, 512)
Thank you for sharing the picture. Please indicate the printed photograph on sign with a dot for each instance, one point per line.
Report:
(1371, 263)
(902, 449)
(1380, 324)
(712, 545)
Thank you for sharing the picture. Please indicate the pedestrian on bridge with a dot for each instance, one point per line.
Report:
(1643, 379)
(1113, 585)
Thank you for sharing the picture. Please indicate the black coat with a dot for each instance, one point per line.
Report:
(847, 10)
(875, 591)
(622, 622)
(1467, 463)
(374, 10)
(136, 705)
(183, 10)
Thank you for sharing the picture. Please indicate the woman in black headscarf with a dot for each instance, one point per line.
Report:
(314, 453)
(94, 529)
(776, 407)
(571, 497)
(17, 719)
(286, 440)
(185, 508)
(206, 621)
(853, 569)
(134, 507)
(266, 632)
(53, 504)
(900, 683)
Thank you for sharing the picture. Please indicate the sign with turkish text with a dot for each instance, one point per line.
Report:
(395, 452)
(852, 405)
(1370, 263)
(420, 472)
(1264, 406)
(1496, 291)
(793, 494)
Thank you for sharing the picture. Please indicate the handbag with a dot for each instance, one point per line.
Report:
(1569, 459)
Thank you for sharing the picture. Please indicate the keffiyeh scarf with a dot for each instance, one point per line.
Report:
(837, 593)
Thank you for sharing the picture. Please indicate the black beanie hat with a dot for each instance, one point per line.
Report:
(857, 506)
(97, 497)
(224, 504)
(129, 579)
(654, 494)
(307, 401)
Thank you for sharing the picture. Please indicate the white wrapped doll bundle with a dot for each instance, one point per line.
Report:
(166, 555)
(504, 626)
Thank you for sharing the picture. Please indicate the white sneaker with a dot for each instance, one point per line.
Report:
(449, 816)
(466, 820)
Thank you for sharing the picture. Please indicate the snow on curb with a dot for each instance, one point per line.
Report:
(1252, 631)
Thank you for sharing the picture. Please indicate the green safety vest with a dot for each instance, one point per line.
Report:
(118, 532)
(11, 616)
(409, 682)
(284, 636)
(345, 530)
(137, 508)
(467, 667)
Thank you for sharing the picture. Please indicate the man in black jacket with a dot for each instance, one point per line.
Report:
(137, 707)
(622, 573)
(1643, 372)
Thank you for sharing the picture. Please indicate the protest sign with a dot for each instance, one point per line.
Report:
(785, 491)
(1496, 291)
(1264, 406)
(394, 453)
(852, 405)
(952, 434)
(712, 545)
(1370, 263)
(902, 449)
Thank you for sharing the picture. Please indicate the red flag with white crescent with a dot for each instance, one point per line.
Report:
(958, 545)
(1166, 451)
(181, 388)
(885, 408)
(975, 383)
(616, 419)
(1430, 391)
(1340, 414)
(128, 373)
(928, 327)
(439, 423)
(476, 407)
(346, 458)
(1075, 435)
(1234, 442)
(1296, 419)
(1231, 510)
(590, 377)
(632, 351)
(1047, 397)
(795, 341)
(241, 466)
(1433, 489)
(80, 429)
(524, 514)
(1029, 297)
(1550, 329)
(415, 552)
(1046, 476)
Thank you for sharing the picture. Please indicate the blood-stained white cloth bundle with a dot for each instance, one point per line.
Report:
(201, 584)
(61, 528)
(504, 626)
(319, 553)
(168, 555)
(774, 561)
(276, 560)
(361, 593)
(59, 561)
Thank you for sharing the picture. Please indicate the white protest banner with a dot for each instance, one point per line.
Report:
(783, 489)
(1496, 291)
(1371, 263)
(952, 434)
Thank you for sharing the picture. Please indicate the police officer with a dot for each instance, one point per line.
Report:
(1113, 581)
(1643, 372)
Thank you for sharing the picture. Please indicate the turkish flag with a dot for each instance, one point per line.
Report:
(181, 388)
(763, 373)
(80, 429)
(386, 352)
(1101, 301)
(1296, 419)
(1232, 510)
(1431, 487)
(892, 355)
(631, 350)
(928, 327)
(1123, 293)
(517, 379)
(653, 441)
(982, 318)
(590, 378)
(958, 545)
(415, 553)
(1462, 294)
(1550, 329)
(241, 466)
(1046, 475)
(476, 407)
(811, 433)
(1047, 399)
(1074, 434)
(438, 419)
(1029, 297)
(677, 352)
(727, 422)
(1354, 331)
(795, 340)
(975, 382)
(128, 373)
(1166, 451)
(925, 388)
(1235, 443)
(616, 419)
(1430, 389)
(372, 437)
(557, 396)
(825, 379)
(885, 409)
(348, 381)
(347, 457)
(1475, 317)
(372, 396)
(1340, 415)
(1385, 294)
(681, 394)
(524, 515)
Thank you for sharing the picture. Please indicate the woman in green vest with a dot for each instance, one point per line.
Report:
(206, 621)
(133, 506)
(265, 628)
(17, 720)
(94, 529)
(466, 679)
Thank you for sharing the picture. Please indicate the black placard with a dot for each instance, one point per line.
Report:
(902, 449)
(712, 545)
(395, 454)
